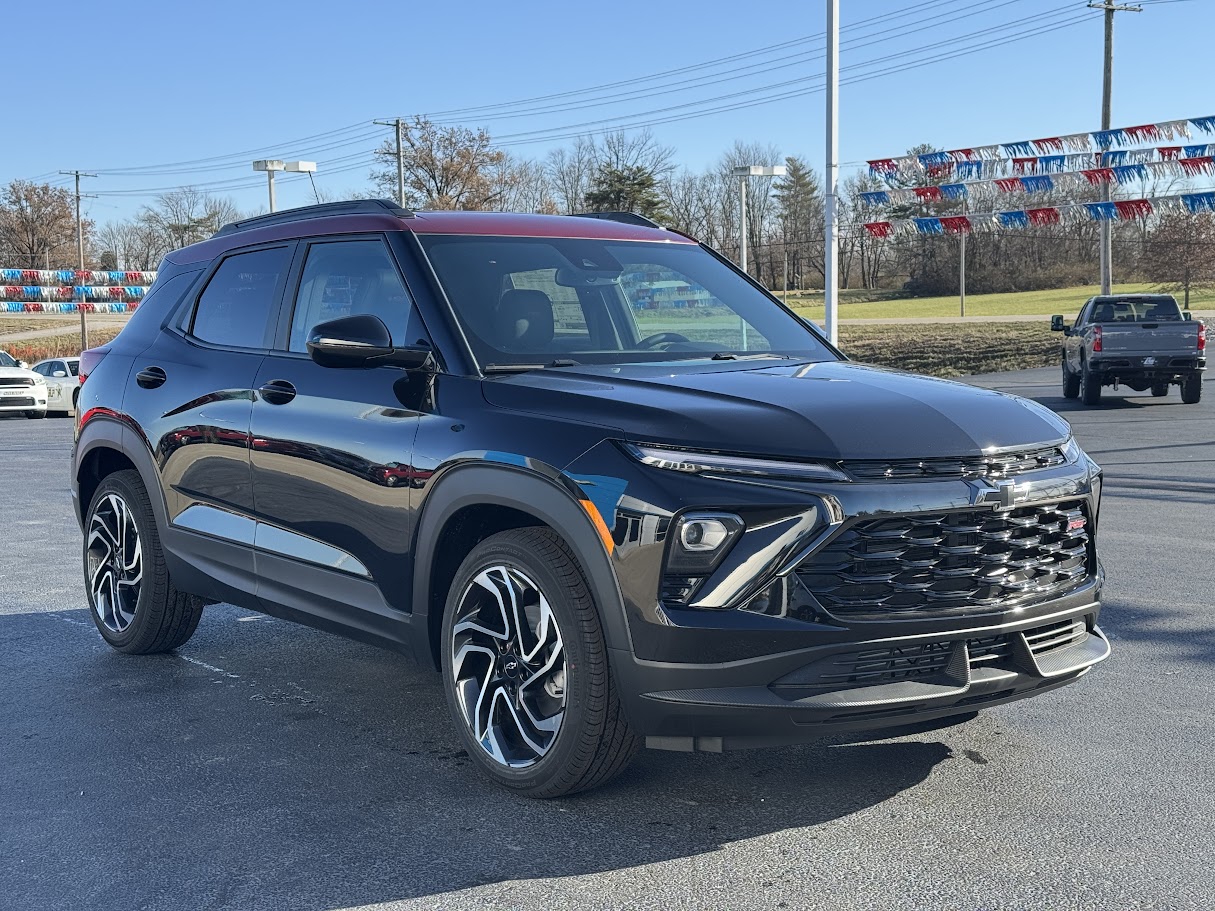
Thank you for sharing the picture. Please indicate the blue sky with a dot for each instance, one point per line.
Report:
(159, 86)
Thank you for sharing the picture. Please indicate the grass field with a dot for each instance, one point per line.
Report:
(67, 345)
(19, 323)
(1061, 300)
(952, 349)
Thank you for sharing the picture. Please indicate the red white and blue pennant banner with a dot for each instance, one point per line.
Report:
(1045, 183)
(1120, 210)
(938, 163)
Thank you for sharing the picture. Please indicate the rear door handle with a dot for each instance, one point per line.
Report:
(151, 377)
(277, 392)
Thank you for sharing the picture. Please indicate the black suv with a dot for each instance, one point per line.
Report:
(601, 479)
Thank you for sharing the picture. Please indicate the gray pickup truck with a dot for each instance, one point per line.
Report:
(1142, 341)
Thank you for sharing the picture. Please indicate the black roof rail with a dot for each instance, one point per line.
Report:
(344, 207)
(628, 218)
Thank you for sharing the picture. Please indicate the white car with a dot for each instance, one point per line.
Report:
(21, 390)
(62, 376)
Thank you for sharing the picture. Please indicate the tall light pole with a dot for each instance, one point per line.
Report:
(743, 172)
(271, 165)
(1107, 88)
(831, 240)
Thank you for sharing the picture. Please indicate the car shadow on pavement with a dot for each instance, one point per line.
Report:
(268, 765)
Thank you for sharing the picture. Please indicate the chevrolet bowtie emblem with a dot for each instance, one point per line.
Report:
(1000, 495)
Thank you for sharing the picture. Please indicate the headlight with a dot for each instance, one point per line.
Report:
(711, 463)
(1072, 451)
(38, 380)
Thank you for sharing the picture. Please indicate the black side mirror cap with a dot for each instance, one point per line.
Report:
(363, 341)
(1056, 324)
(1187, 315)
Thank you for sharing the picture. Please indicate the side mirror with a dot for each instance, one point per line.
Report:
(1187, 315)
(1056, 323)
(362, 341)
(23, 365)
(59, 373)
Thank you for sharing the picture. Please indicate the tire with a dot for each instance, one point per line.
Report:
(1160, 390)
(36, 415)
(1191, 389)
(1071, 382)
(590, 741)
(1090, 386)
(132, 599)
(75, 398)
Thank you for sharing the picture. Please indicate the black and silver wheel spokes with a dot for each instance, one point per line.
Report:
(508, 661)
(115, 562)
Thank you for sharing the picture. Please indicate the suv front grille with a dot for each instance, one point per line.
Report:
(1003, 465)
(942, 564)
(16, 381)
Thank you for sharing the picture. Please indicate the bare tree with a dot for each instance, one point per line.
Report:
(570, 172)
(38, 225)
(186, 215)
(446, 167)
(1181, 253)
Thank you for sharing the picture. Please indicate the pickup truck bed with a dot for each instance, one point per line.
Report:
(1142, 341)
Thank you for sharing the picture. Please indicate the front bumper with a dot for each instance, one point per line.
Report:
(863, 685)
(32, 400)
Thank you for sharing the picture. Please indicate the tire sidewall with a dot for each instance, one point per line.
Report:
(135, 500)
(495, 551)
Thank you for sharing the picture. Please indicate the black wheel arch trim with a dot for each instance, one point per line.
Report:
(527, 491)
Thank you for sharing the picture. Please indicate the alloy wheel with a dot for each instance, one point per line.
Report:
(115, 561)
(508, 664)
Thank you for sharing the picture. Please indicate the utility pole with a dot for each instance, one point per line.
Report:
(962, 265)
(84, 326)
(831, 252)
(1109, 7)
(399, 125)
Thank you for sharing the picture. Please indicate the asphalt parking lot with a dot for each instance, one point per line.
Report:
(266, 765)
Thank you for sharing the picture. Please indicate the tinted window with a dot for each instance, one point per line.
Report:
(348, 278)
(235, 306)
(6, 360)
(74, 368)
(42, 369)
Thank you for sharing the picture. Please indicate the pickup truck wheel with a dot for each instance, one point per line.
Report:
(1191, 389)
(1090, 386)
(525, 668)
(1160, 390)
(1071, 383)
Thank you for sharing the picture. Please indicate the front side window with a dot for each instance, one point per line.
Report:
(235, 307)
(532, 301)
(348, 278)
(6, 360)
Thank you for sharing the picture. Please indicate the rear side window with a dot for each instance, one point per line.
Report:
(235, 307)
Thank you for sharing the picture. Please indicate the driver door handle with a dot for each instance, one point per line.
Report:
(277, 392)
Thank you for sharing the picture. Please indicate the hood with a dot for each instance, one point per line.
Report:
(18, 371)
(831, 410)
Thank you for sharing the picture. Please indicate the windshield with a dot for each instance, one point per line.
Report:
(6, 360)
(538, 301)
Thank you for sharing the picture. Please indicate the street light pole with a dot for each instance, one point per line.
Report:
(270, 165)
(831, 241)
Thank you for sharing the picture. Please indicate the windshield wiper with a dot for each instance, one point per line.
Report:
(524, 368)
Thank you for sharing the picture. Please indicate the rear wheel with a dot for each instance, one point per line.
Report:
(1071, 382)
(1090, 385)
(1160, 390)
(525, 668)
(1191, 389)
(135, 605)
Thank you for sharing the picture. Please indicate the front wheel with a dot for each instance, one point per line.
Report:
(1071, 382)
(135, 605)
(525, 668)
(35, 415)
(1191, 389)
